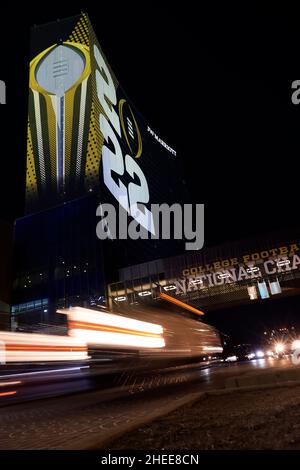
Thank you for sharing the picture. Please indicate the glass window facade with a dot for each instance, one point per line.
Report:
(58, 262)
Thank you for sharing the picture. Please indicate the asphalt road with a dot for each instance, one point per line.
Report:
(62, 422)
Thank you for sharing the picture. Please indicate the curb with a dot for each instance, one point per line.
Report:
(269, 378)
(98, 443)
(251, 388)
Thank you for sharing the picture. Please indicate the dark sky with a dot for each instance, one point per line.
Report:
(214, 81)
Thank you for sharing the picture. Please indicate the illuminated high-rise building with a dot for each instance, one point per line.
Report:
(86, 144)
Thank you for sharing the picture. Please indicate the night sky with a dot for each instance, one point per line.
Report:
(214, 81)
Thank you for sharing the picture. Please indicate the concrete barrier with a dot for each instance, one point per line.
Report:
(263, 378)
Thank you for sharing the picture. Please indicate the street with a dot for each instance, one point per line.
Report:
(68, 422)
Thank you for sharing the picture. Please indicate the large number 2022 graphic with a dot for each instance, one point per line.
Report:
(133, 197)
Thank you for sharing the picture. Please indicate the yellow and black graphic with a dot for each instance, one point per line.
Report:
(72, 90)
(55, 77)
(59, 120)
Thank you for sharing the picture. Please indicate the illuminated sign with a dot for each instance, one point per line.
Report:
(252, 292)
(84, 134)
(275, 287)
(161, 141)
(282, 251)
(238, 274)
(263, 290)
(56, 75)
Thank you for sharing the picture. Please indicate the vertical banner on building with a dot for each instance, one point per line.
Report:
(84, 134)
(275, 287)
(263, 290)
(252, 292)
(59, 117)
